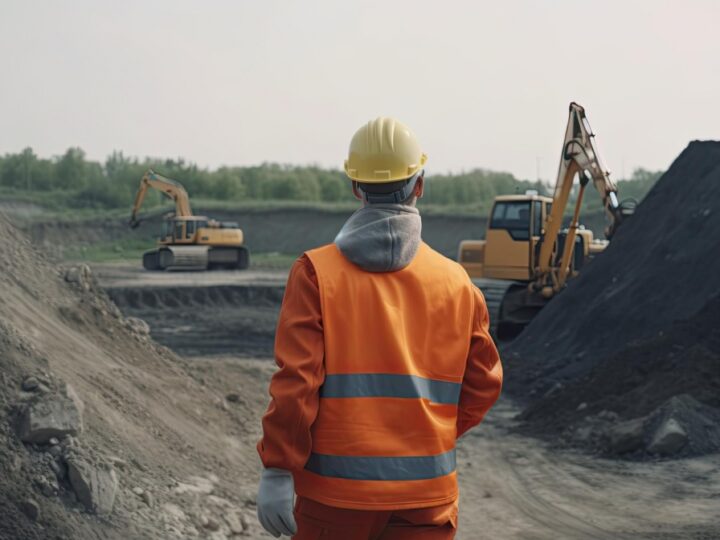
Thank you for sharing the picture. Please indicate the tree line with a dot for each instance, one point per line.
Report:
(73, 181)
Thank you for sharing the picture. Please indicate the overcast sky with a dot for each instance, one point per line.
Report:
(482, 83)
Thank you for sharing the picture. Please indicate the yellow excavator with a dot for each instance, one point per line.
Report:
(189, 242)
(527, 256)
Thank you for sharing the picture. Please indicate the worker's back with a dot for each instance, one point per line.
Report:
(385, 359)
(396, 346)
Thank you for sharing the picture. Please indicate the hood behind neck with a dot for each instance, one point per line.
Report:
(381, 237)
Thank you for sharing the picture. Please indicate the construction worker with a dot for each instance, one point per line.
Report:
(385, 359)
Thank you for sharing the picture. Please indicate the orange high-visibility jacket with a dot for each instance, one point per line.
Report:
(407, 364)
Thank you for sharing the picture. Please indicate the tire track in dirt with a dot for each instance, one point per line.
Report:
(513, 486)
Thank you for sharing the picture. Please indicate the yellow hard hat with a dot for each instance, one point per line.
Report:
(383, 150)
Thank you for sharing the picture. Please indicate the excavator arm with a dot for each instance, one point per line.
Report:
(170, 188)
(579, 156)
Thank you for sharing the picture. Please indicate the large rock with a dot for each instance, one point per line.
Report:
(51, 415)
(626, 437)
(95, 485)
(669, 438)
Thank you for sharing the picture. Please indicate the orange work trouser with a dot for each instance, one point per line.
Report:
(319, 521)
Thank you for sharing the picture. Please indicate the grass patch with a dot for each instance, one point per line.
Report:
(272, 261)
(130, 249)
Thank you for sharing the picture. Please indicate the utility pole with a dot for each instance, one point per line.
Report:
(26, 164)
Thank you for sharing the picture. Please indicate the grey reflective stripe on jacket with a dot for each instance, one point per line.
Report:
(382, 468)
(389, 385)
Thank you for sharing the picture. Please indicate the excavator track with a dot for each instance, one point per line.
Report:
(196, 258)
(494, 291)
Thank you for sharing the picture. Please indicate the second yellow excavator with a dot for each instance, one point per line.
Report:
(189, 242)
(528, 256)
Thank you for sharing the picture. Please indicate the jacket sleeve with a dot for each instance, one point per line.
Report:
(294, 388)
(483, 373)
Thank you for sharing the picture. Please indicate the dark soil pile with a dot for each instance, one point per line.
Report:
(685, 359)
(640, 323)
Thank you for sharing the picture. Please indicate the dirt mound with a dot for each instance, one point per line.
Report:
(104, 433)
(634, 383)
(640, 323)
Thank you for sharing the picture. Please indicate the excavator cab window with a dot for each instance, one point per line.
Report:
(537, 218)
(189, 229)
(178, 230)
(513, 217)
(167, 229)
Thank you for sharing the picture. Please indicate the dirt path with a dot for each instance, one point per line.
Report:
(517, 487)
(126, 274)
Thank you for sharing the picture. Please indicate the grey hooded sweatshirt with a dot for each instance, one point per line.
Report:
(381, 237)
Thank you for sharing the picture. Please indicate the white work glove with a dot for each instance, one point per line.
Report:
(275, 502)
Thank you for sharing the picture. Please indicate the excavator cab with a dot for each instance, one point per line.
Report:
(182, 230)
(513, 232)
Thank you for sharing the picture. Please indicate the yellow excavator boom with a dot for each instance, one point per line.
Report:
(579, 156)
(170, 188)
(528, 254)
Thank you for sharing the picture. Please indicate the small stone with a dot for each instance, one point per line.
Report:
(556, 389)
(59, 469)
(49, 487)
(233, 397)
(30, 384)
(211, 524)
(582, 406)
(55, 451)
(79, 274)
(138, 491)
(234, 522)
(668, 439)
(148, 499)
(608, 415)
(583, 435)
(68, 442)
(118, 462)
(244, 522)
(30, 508)
(138, 326)
(53, 441)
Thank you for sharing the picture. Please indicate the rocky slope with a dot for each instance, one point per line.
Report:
(105, 434)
